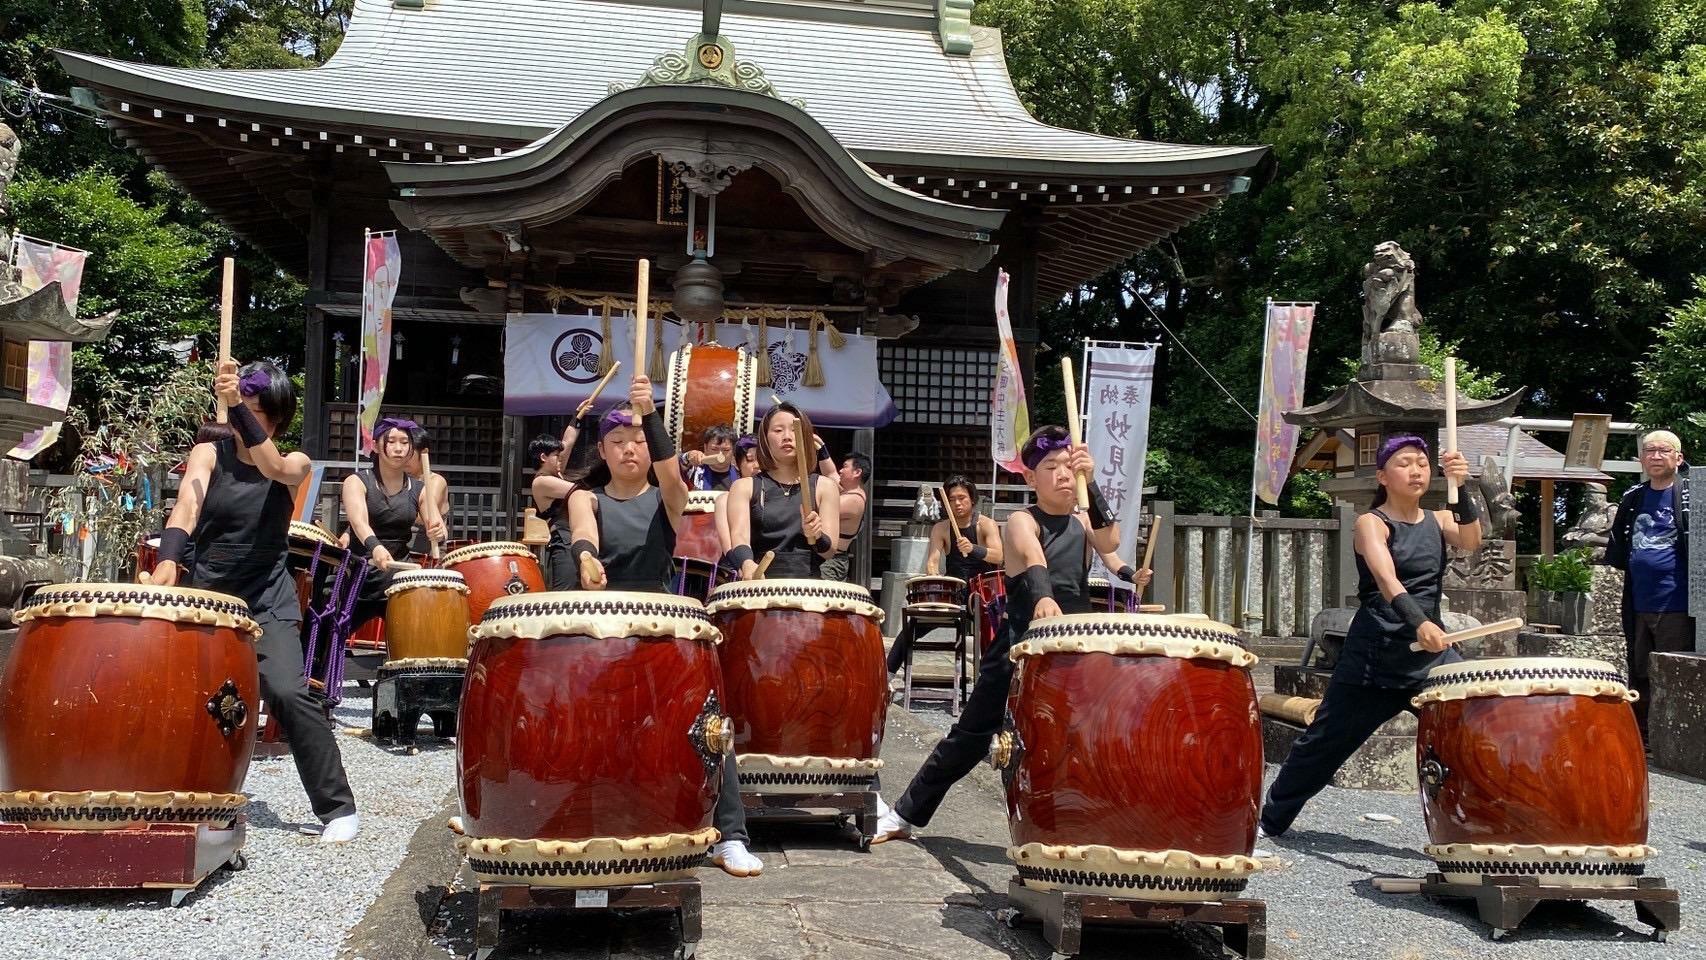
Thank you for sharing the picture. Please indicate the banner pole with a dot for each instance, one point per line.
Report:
(1255, 460)
(361, 342)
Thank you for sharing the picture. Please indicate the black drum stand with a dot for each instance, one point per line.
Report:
(1243, 924)
(1504, 902)
(680, 897)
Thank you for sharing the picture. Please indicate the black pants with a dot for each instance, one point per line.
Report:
(967, 742)
(1348, 716)
(1654, 633)
(312, 742)
(730, 817)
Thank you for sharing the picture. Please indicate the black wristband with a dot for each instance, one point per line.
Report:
(822, 543)
(1099, 515)
(737, 556)
(1465, 511)
(658, 443)
(979, 552)
(1037, 583)
(173, 544)
(1410, 609)
(823, 453)
(248, 428)
(1127, 573)
(580, 547)
(370, 543)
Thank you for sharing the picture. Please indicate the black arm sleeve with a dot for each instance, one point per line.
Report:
(659, 445)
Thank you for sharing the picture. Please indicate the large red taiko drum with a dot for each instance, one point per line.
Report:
(125, 703)
(806, 687)
(1533, 767)
(590, 740)
(709, 384)
(493, 570)
(1132, 757)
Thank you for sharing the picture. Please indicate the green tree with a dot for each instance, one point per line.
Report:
(1673, 376)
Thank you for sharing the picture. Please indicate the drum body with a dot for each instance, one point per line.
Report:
(936, 591)
(494, 570)
(806, 687)
(427, 616)
(1132, 757)
(124, 703)
(1533, 767)
(590, 740)
(709, 384)
(987, 593)
(697, 538)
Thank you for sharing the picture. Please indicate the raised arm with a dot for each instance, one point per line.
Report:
(288, 469)
(989, 538)
(1465, 535)
(822, 524)
(938, 547)
(192, 493)
(547, 490)
(660, 448)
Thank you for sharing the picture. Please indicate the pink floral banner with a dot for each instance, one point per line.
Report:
(1009, 419)
(42, 262)
(1283, 368)
(382, 271)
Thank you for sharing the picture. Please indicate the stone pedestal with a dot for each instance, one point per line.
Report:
(1605, 602)
(893, 600)
(1676, 720)
(1486, 606)
(1607, 647)
(908, 554)
(1386, 762)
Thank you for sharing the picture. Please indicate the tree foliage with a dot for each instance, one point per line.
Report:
(1674, 376)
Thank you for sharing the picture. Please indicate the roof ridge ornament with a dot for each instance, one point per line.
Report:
(953, 26)
(708, 59)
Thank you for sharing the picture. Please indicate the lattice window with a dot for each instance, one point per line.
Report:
(17, 365)
(905, 452)
(472, 438)
(1368, 449)
(939, 385)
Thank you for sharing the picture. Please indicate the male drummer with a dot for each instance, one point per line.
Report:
(711, 467)
(1046, 555)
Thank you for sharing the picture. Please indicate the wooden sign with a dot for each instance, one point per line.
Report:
(1588, 432)
(672, 197)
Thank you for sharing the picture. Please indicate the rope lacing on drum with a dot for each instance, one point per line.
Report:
(1496, 675)
(1148, 629)
(625, 608)
(1083, 878)
(1500, 868)
(140, 596)
(587, 868)
(807, 779)
(750, 591)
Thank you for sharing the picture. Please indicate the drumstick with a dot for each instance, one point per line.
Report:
(403, 565)
(808, 477)
(1073, 429)
(589, 570)
(1152, 608)
(1149, 547)
(764, 564)
(642, 303)
(1475, 633)
(426, 490)
(1450, 422)
(586, 404)
(227, 293)
(715, 461)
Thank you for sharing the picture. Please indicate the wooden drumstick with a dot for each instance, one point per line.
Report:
(1149, 548)
(1152, 608)
(227, 296)
(804, 460)
(589, 570)
(642, 304)
(426, 490)
(1450, 422)
(1475, 633)
(764, 564)
(1073, 429)
(586, 404)
(715, 461)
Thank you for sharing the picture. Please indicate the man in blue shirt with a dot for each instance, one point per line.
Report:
(1649, 541)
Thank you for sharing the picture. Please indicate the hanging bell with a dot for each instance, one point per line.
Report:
(698, 291)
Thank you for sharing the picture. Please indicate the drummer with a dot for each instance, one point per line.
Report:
(746, 467)
(235, 503)
(967, 544)
(382, 504)
(550, 489)
(1046, 554)
(711, 467)
(624, 535)
(1400, 558)
(855, 468)
(765, 514)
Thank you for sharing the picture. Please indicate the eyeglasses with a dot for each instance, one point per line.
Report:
(1657, 451)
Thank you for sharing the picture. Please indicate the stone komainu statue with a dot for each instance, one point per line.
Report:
(1593, 528)
(1389, 315)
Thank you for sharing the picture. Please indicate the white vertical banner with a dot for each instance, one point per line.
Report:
(1117, 387)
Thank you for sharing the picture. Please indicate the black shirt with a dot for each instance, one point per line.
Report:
(776, 526)
(1377, 646)
(635, 540)
(1066, 549)
(242, 536)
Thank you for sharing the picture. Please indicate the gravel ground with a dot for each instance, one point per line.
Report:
(297, 899)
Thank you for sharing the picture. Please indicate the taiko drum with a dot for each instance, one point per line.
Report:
(936, 591)
(987, 594)
(1132, 757)
(493, 570)
(123, 703)
(426, 612)
(709, 384)
(1533, 767)
(590, 739)
(697, 538)
(807, 690)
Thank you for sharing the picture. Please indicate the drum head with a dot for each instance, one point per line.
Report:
(812, 596)
(480, 551)
(1135, 634)
(177, 604)
(426, 579)
(596, 613)
(1523, 677)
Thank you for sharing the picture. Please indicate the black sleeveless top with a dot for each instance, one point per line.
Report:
(1377, 646)
(242, 536)
(958, 565)
(776, 526)
(635, 540)
(564, 576)
(392, 516)
(1066, 548)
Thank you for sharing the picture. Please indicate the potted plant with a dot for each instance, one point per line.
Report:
(1561, 584)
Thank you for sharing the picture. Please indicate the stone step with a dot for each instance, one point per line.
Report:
(1278, 649)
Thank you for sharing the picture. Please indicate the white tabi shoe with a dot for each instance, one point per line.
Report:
(736, 860)
(342, 830)
(890, 826)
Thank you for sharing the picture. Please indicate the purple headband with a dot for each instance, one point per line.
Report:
(388, 424)
(615, 418)
(1395, 443)
(254, 382)
(1041, 447)
(745, 442)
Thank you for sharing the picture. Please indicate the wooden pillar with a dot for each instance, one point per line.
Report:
(1022, 292)
(315, 371)
(1162, 583)
(509, 457)
(1548, 504)
(865, 442)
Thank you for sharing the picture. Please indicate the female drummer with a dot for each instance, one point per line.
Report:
(382, 505)
(550, 489)
(1046, 554)
(746, 467)
(624, 528)
(765, 514)
(1400, 557)
(235, 503)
